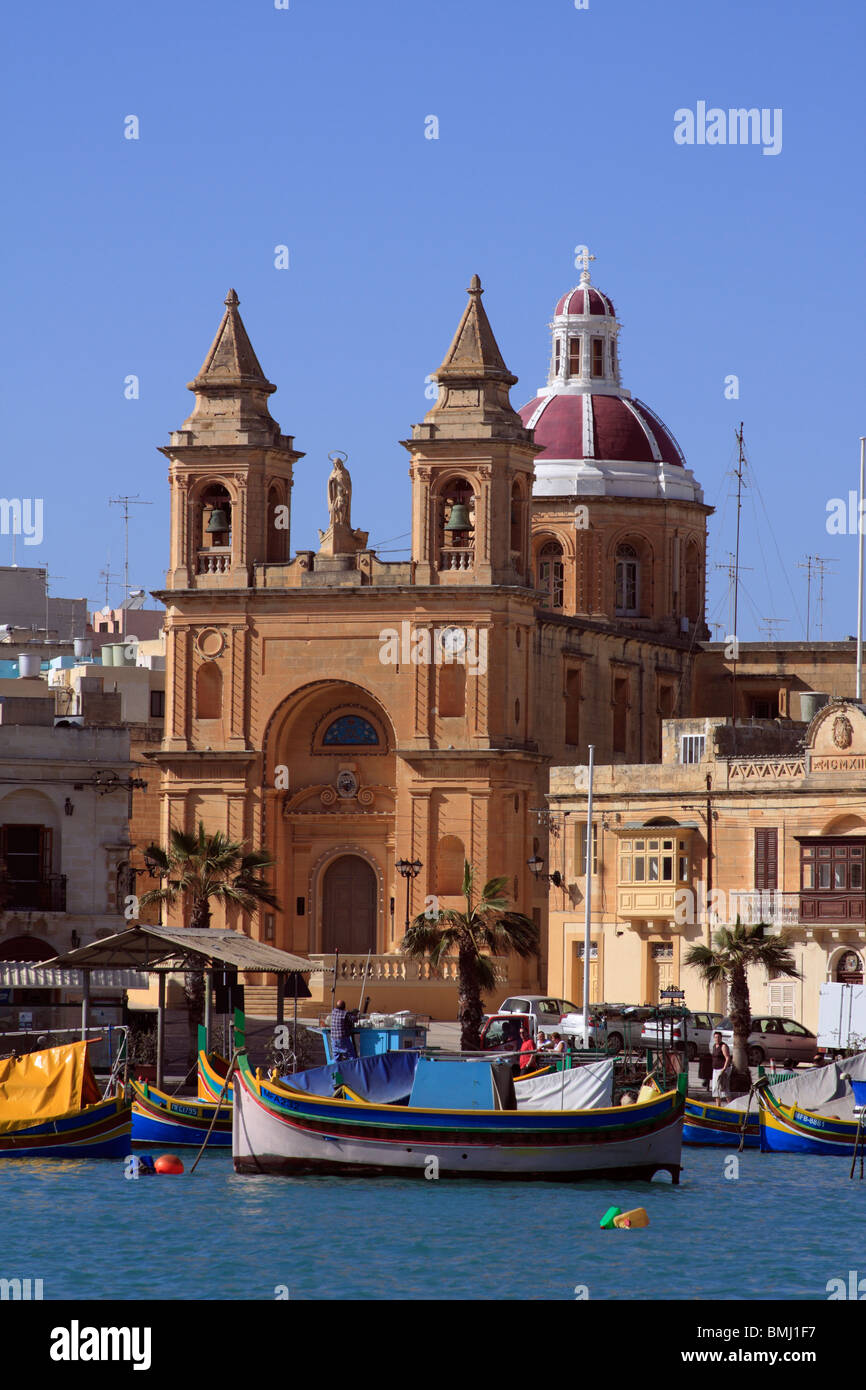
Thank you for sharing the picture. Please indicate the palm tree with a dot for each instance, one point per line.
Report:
(486, 926)
(203, 869)
(728, 960)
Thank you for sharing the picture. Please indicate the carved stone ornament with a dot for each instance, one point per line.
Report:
(843, 734)
(347, 783)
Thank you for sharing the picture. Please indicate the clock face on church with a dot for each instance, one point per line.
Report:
(453, 640)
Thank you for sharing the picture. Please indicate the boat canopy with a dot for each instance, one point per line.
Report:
(44, 1085)
(588, 1087)
(385, 1079)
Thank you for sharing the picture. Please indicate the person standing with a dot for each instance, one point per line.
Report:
(721, 1068)
(342, 1022)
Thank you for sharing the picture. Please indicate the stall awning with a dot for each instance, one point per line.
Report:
(15, 974)
(143, 947)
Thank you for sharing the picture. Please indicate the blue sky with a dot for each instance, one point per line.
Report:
(305, 127)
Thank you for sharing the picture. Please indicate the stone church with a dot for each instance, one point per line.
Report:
(373, 723)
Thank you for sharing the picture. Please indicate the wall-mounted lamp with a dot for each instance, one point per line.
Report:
(536, 864)
(68, 807)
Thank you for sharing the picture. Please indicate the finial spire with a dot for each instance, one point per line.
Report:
(583, 254)
(475, 285)
(231, 299)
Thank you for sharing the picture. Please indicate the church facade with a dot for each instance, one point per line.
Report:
(374, 723)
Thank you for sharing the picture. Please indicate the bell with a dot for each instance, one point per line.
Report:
(459, 518)
(217, 522)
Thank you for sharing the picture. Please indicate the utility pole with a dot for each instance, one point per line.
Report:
(126, 503)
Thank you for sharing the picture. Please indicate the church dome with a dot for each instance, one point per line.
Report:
(596, 438)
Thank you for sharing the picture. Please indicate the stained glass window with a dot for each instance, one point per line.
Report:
(350, 728)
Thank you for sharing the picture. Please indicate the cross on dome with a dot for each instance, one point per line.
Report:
(583, 253)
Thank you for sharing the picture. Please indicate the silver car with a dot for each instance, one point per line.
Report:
(774, 1039)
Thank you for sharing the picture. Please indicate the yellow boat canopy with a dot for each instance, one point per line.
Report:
(45, 1085)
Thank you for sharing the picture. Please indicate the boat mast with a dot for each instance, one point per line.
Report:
(859, 688)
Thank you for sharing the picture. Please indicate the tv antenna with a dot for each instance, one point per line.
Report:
(107, 576)
(126, 503)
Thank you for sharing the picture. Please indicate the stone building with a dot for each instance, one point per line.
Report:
(764, 821)
(349, 713)
(64, 847)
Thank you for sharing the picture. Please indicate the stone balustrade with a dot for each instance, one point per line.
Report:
(397, 969)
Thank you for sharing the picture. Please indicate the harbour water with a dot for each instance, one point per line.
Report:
(783, 1229)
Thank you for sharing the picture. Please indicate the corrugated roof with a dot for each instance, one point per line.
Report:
(143, 947)
(20, 974)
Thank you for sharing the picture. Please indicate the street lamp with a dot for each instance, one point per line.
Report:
(409, 870)
(536, 864)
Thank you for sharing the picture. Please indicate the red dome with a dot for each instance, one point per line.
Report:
(585, 300)
(599, 427)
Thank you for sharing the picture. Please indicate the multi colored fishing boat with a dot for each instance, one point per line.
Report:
(280, 1128)
(790, 1129)
(181, 1122)
(708, 1123)
(50, 1107)
(212, 1072)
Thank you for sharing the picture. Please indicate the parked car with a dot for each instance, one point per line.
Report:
(698, 1029)
(547, 1010)
(611, 1026)
(774, 1039)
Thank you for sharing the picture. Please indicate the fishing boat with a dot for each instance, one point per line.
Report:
(212, 1072)
(180, 1122)
(50, 1107)
(708, 1123)
(821, 1115)
(280, 1128)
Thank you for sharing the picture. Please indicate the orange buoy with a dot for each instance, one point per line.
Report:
(168, 1163)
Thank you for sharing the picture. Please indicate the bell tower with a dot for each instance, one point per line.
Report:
(471, 467)
(230, 470)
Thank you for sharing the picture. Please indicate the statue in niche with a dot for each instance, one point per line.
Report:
(339, 492)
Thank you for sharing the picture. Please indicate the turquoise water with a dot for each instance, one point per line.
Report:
(785, 1227)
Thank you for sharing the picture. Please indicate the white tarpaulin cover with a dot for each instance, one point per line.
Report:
(583, 1088)
(820, 1089)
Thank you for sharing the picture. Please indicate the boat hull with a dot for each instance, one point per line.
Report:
(280, 1131)
(706, 1123)
(788, 1129)
(211, 1078)
(161, 1119)
(101, 1130)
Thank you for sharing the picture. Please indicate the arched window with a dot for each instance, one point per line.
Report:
(208, 691)
(450, 860)
(627, 581)
(215, 518)
(551, 574)
(693, 582)
(350, 729)
(278, 532)
(457, 526)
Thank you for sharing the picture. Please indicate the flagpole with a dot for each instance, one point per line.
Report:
(587, 920)
(859, 689)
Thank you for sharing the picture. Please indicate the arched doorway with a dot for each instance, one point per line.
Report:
(349, 906)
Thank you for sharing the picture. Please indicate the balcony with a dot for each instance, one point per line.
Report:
(463, 560)
(831, 908)
(215, 560)
(34, 895)
(775, 908)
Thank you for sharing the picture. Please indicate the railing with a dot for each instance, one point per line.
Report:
(216, 560)
(457, 560)
(777, 909)
(40, 895)
(402, 970)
